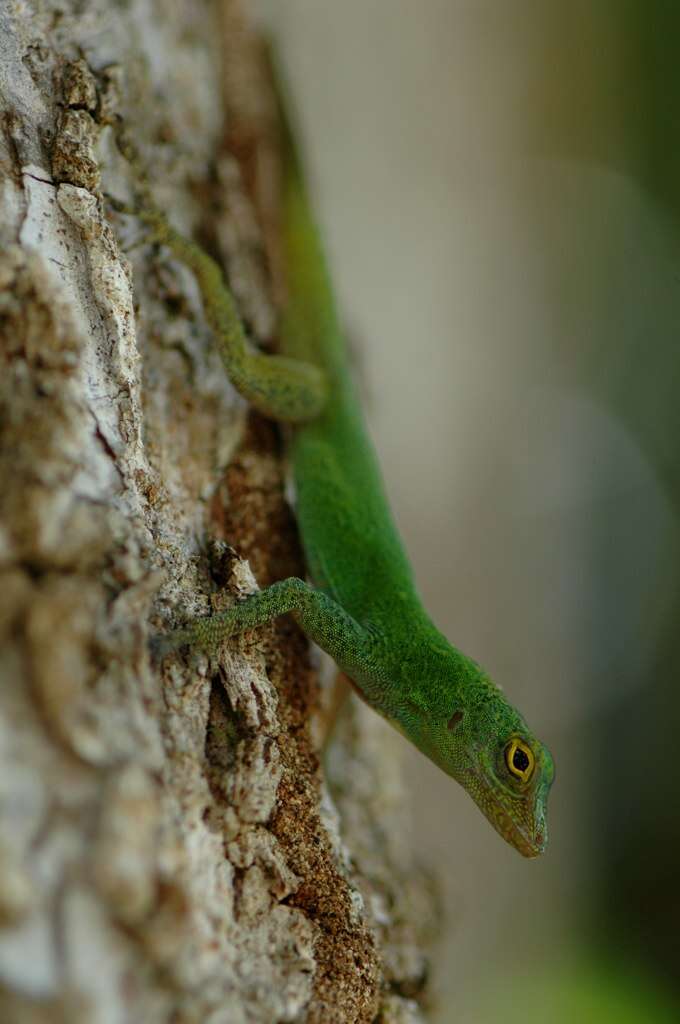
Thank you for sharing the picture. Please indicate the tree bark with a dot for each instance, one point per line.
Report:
(170, 848)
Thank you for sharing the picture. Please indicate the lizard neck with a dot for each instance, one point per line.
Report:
(412, 669)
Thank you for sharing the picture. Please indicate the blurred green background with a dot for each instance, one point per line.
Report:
(498, 183)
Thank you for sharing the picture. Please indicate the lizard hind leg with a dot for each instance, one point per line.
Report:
(337, 698)
(289, 390)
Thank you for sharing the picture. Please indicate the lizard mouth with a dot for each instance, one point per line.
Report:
(527, 840)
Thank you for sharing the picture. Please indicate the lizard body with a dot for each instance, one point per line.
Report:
(363, 608)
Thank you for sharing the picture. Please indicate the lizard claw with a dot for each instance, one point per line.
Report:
(154, 219)
(119, 206)
(163, 644)
(159, 648)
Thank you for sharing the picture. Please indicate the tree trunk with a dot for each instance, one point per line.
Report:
(170, 849)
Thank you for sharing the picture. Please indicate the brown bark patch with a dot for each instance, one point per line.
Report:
(258, 523)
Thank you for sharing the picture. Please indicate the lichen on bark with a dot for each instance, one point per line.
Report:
(169, 845)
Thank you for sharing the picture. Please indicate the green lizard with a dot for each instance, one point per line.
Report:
(363, 608)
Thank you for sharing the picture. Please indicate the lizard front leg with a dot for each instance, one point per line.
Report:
(321, 618)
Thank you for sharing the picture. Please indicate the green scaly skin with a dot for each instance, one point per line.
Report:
(363, 608)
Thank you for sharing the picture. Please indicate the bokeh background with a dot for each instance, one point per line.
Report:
(499, 187)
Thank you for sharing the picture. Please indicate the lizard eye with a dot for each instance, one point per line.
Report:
(519, 759)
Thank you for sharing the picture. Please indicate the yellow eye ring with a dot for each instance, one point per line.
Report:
(520, 760)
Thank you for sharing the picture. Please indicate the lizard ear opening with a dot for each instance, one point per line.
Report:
(454, 719)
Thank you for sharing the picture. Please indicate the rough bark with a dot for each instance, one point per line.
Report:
(170, 849)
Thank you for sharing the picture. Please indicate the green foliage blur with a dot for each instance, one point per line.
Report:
(589, 989)
(627, 123)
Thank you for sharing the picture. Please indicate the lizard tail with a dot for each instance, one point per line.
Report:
(310, 328)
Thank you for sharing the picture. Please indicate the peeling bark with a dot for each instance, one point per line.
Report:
(170, 849)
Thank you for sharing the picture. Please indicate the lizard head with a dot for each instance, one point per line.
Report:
(504, 768)
(509, 780)
(484, 743)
